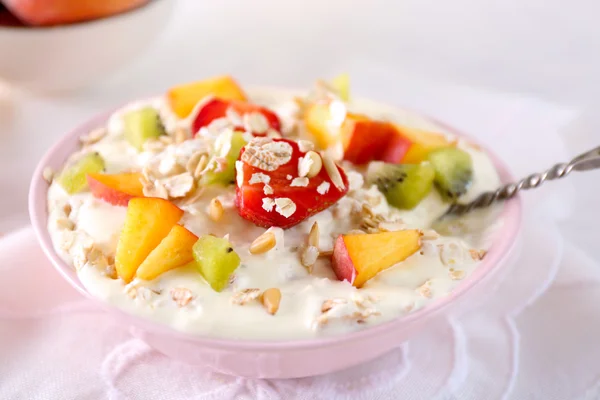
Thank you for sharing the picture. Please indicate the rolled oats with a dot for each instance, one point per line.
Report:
(323, 188)
(93, 137)
(259, 177)
(245, 296)
(267, 190)
(266, 154)
(305, 146)
(299, 182)
(178, 186)
(268, 204)
(255, 122)
(456, 275)
(285, 206)
(181, 296)
(477, 255)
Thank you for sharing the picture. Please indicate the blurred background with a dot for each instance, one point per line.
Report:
(543, 48)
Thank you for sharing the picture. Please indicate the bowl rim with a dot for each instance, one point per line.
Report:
(26, 29)
(504, 242)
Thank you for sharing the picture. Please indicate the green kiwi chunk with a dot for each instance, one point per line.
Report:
(404, 186)
(453, 171)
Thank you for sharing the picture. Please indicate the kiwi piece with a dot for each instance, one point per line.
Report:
(216, 260)
(404, 186)
(73, 177)
(453, 171)
(227, 175)
(141, 125)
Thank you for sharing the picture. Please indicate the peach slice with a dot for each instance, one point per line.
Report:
(364, 139)
(183, 98)
(55, 12)
(147, 223)
(412, 145)
(358, 258)
(116, 189)
(174, 251)
(318, 121)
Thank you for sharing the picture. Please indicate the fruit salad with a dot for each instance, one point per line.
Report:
(269, 214)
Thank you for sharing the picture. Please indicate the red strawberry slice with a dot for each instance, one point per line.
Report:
(307, 201)
(217, 108)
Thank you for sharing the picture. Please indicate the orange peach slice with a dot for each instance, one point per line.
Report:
(358, 258)
(318, 121)
(116, 189)
(174, 251)
(147, 223)
(183, 98)
(422, 143)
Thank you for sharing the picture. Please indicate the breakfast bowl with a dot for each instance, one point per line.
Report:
(75, 55)
(303, 318)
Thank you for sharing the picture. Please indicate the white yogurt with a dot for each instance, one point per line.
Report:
(427, 275)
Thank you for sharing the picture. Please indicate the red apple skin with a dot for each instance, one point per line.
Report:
(396, 149)
(60, 12)
(109, 194)
(341, 262)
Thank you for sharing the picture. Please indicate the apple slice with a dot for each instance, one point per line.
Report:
(147, 222)
(183, 98)
(116, 189)
(174, 251)
(358, 258)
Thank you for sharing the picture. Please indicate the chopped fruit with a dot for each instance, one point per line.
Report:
(341, 84)
(61, 12)
(358, 258)
(141, 125)
(174, 251)
(216, 260)
(226, 176)
(453, 171)
(116, 189)
(365, 139)
(183, 98)
(73, 177)
(411, 145)
(319, 121)
(147, 223)
(280, 203)
(404, 186)
(217, 108)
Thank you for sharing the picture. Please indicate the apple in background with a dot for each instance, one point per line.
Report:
(59, 12)
(358, 258)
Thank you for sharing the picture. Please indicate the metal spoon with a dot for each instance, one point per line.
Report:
(583, 162)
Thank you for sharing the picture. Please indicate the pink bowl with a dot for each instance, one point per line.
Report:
(278, 359)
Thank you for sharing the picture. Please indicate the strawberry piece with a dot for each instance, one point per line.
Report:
(217, 108)
(307, 200)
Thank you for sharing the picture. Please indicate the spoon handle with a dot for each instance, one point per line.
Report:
(583, 162)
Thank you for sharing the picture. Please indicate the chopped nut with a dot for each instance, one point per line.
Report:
(48, 174)
(268, 204)
(181, 296)
(93, 137)
(285, 206)
(215, 210)
(305, 146)
(334, 173)
(245, 296)
(267, 190)
(299, 182)
(313, 236)
(271, 299)
(323, 188)
(178, 185)
(259, 177)
(67, 209)
(309, 257)
(266, 154)
(263, 243)
(325, 253)
(477, 255)
(456, 275)
(180, 135)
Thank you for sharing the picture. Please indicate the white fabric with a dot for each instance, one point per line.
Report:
(534, 337)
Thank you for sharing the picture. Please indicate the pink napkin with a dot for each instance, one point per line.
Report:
(533, 338)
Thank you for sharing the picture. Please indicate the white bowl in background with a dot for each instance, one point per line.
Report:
(69, 57)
